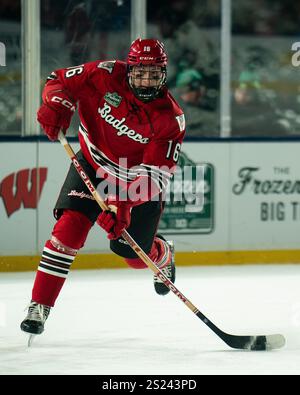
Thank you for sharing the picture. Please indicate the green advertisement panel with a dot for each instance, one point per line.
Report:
(189, 207)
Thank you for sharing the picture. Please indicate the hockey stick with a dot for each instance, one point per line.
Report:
(267, 342)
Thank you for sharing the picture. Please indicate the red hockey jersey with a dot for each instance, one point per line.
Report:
(118, 133)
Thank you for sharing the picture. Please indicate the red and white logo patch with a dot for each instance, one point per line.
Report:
(181, 122)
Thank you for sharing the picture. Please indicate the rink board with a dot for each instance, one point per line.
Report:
(254, 209)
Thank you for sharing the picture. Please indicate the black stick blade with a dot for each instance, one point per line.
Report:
(251, 343)
(255, 343)
(269, 342)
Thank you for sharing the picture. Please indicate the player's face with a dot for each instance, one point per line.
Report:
(146, 76)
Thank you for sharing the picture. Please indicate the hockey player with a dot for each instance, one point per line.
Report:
(130, 134)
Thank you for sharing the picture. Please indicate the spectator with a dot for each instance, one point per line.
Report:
(78, 34)
(200, 109)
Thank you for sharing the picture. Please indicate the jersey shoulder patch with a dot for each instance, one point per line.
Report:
(107, 65)
(181, 122)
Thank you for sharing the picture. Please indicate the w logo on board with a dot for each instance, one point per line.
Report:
(25, 187)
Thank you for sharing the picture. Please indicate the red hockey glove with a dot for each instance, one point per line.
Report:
(56, 113)
(115, 223)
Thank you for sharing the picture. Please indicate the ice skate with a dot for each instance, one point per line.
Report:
(168, 271)
(35, 320)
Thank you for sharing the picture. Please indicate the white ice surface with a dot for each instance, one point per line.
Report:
(112, 322)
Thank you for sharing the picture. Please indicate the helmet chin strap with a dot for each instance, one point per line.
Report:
(145, 94)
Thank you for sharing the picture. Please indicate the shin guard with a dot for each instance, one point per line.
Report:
(68, 236)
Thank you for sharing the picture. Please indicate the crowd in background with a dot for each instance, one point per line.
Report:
(264, 85)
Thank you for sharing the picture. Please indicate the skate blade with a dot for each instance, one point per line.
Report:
(30, 340)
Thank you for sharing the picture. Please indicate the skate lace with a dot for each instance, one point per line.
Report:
(167, 271)
(38, 312)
